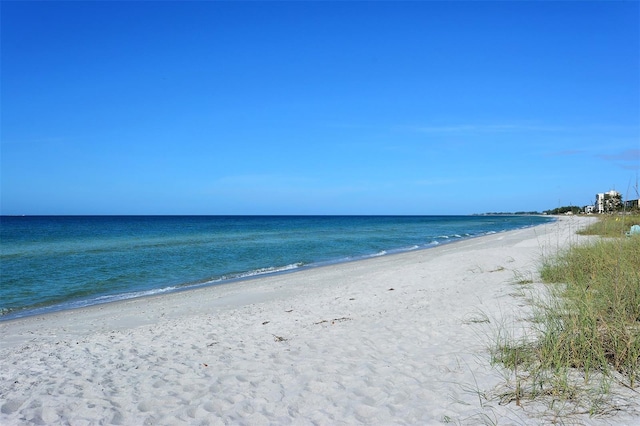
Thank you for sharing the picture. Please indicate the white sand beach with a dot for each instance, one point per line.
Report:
(398, 339)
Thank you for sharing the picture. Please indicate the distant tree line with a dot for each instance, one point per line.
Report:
(610, 204)
(565, 210)
(506, 213)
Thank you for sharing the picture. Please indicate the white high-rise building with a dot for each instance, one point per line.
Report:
(607, 201)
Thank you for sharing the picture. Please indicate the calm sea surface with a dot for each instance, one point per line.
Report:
(62, 262)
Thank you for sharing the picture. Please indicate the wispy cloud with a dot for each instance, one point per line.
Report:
(470, 128)
(627, 155)
(35, 141)
(436, 182)
(484, 128)
(628, 159)
(472, 179)
(258, 181)
(566, 153)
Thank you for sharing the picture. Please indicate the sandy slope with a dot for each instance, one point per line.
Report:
(397, 339)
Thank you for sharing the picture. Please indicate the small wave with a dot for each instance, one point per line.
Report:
(255, 273)
(270, 270)
(124, 296)
(8, 313)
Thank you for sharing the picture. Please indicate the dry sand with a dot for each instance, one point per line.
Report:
(400, 339)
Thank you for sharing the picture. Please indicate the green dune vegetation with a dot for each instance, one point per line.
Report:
(586, 329)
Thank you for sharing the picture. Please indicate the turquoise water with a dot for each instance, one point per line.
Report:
(59, 262)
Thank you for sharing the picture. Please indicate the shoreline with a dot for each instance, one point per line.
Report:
(73, 305)
(396, 339)
(245, 282)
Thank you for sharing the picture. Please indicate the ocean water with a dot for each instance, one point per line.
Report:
(62, 262)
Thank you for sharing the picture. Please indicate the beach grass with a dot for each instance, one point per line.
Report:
(612, 225)
(588, 326)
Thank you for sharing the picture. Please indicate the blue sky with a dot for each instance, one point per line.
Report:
(317, 107)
